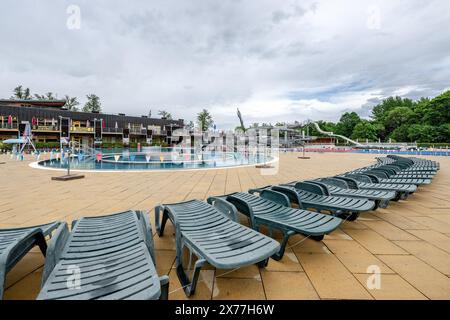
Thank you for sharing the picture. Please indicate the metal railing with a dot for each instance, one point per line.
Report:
(13, 126)
(82, 129)
(138, 131)
(113, 130)
(45, 128)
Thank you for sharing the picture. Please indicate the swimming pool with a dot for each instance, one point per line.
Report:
(163, 159)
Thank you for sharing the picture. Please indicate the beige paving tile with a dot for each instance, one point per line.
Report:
(26, 289)
(204, 290)
(302, 244)
(165, 259)
(238, 289)
(248, 272)
(374, 242)
(400, 221)
(289, 262)
(31, 262)
(354, 256)
(288, 286)
(434, 224)
(389, 231)
(428, 253)
(438, 239)
(420, 275)
(392, 287)
(330, 278)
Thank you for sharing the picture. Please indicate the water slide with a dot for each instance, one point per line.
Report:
(331, 134)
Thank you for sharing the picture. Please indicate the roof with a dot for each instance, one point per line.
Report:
(37, 103)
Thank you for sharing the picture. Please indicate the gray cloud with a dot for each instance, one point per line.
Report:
(277, 61)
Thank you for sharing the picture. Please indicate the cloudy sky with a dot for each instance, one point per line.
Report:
(275, 60)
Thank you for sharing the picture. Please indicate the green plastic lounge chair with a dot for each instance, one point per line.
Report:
(213, 235)
(408, 167)
(370, 182)
(311, 196)
(385, 177)
(416, 162)
(393, 172)
(16, 243)
(112, 255)
(398, 171)
(272, 209)
(339, 188)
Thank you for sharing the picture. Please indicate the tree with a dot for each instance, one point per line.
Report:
(93, 104)
(190, 125)
(400, 134)
(347, 123)
(21, 94)
(365, 130)
(164, 115)
(47, 96)
(380, 111)
(149, 113)
(437, 111)
(422, 133)
(397, 117)
(71, 103)
(205, 120)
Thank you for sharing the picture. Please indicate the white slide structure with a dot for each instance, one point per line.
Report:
(331, 134)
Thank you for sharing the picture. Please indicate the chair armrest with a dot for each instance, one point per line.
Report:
(54, 250)
(276, 197)
(226, 208)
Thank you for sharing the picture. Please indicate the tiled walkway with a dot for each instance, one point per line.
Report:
(409, 241)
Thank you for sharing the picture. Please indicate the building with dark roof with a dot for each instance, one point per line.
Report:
(44, 118)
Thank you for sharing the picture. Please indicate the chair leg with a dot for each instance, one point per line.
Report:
(377, 205)
(40, 241)
(2, 283)
(263, 264)
(353, 216)
(279, 255)
(189, 285)
(383, 204)
(164, 281)
(160, 226)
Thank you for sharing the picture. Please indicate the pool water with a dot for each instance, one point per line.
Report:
(165, 159)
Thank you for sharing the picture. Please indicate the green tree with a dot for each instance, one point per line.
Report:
(400, 134)
(437, 111)
(71, 103)
(93, 104)
(204, 120)
(380, 111)
(47, 96)
(365, 130)
(21, 94)
(422, 133)
(347, 123)
(397, 117)
(164, 115)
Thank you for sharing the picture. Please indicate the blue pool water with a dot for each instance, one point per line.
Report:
(165, 159)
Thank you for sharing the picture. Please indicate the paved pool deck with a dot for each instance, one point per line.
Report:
(409, 241)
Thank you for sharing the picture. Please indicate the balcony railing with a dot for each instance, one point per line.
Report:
(45, 128)
(138, 131)
(113, 130)
(8, 126)
(82, 129)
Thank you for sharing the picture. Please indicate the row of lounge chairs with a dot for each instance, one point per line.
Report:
(112, 257)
